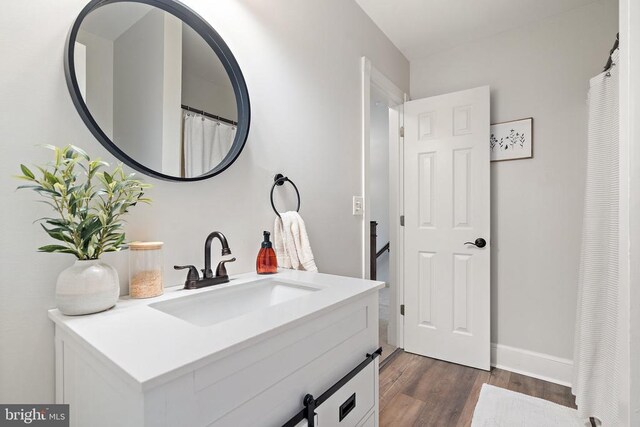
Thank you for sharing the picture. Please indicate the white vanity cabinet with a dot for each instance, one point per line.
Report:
(135, 365)
(357, 401)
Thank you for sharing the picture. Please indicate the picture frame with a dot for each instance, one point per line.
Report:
(511, 140)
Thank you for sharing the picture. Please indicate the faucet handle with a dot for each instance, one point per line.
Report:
(221, 270)
(192, 275)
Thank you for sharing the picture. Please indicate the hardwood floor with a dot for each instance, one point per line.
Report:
(419, 391)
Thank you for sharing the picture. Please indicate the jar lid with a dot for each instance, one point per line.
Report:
(145, 246)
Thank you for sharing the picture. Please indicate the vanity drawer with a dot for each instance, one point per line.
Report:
(349, 405)
(370, 421)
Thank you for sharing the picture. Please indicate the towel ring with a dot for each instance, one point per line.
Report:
(279, 180)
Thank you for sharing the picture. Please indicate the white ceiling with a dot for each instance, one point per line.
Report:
(110, 21)
(420, 28)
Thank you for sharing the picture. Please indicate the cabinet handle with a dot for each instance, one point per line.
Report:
(347, 406)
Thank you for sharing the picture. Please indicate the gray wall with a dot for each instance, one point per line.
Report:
(99, 80)
(138, 84)
(540, 71)
(301, 61)
(206, 95)
(205, 83)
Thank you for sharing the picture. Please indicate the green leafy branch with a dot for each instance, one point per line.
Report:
(90, 202)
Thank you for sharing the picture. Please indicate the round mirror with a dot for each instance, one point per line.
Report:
(158, 87)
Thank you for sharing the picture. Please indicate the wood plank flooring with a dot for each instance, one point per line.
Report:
(419, 391)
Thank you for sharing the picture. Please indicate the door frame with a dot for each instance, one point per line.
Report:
(372, 77)
(629, 233)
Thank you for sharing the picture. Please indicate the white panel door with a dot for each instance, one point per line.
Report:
(446, 204)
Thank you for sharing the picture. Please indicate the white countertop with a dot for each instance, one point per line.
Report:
(149, 347)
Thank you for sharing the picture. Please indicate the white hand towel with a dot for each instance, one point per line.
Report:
(292, 243)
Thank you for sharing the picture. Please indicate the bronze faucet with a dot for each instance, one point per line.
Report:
(208, 279)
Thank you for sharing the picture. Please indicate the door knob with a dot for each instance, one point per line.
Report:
(480, 243)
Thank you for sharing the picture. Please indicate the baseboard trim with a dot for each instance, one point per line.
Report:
(537, 365)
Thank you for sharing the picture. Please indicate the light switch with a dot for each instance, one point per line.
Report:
(358, 205)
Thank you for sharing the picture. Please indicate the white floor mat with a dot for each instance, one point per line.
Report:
(498, 407)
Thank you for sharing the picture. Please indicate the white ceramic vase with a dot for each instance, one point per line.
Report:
(88, 286)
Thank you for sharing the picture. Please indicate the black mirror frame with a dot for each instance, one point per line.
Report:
(216, 43)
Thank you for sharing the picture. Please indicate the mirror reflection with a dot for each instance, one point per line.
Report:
(155, 88)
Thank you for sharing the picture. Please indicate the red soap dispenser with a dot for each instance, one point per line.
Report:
(267, 263)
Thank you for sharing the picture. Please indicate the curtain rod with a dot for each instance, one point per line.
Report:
(211, 116)
(613, 49)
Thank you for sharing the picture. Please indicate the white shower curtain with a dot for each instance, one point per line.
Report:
(206, 143)
(597, 349)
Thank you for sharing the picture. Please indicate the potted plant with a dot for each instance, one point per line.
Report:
(90, 204)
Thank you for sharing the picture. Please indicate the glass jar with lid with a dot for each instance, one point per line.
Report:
(145, 269)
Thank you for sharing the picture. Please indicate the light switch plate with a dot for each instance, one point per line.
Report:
(358, 205)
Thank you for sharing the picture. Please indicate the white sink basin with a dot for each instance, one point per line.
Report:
(218, 305)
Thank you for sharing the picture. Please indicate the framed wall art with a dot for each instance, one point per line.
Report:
(512, 140)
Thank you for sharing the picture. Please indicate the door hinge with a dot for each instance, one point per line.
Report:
(402, 309)
(401, 220)
(401, 131)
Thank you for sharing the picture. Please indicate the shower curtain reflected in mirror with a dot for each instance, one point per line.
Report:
(206, 142)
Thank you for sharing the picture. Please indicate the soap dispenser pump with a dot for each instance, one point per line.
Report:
(266, 263)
